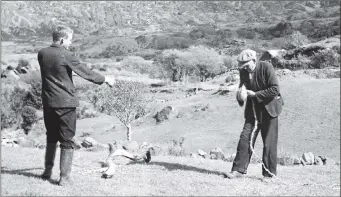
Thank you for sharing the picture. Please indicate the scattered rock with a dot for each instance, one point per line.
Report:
(327, 160)
(89, 142)
(303, 162)
(165, 114)
(297, 161)
(208, 107)
(217, 154)
(202, 153)
(318, 161)
(308, 158)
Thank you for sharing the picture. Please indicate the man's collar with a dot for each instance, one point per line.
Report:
(56, 45)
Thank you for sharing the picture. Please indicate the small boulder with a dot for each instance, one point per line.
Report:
(208, 107)
(327, 160)
(165, 114)
(297, 161)
(308, 158)
(318, 161)
(217, 154)
(89, 142)
(202, 153)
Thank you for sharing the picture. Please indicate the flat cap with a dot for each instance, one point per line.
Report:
(247, 55)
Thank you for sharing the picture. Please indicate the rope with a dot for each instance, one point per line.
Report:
(334, 187)
(251, 146)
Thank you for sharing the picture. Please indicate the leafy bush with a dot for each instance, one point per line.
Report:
(29, 117)
(139, 65)
(198, 61)
(296, 39)
(170, 42)
(246, 33)
(13, 99)
(325, 58)
(202, 32)
(86, 110)
(230, 62)
(119, 48)
(292, 41)
(33, 97)
(8, 116)
(281, 29)
(207, 61)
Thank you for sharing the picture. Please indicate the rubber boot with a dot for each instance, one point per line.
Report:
(50, 155)
(66, 156)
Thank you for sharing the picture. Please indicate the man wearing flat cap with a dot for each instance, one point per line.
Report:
(259, 84)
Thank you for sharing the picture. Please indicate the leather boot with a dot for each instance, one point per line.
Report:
(50, 155)
(233, 175)
(66, 156)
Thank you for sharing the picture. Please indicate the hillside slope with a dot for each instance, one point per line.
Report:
(31, 18)
(310, 121)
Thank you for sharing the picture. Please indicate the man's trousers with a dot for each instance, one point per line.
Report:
(60, 126)
(269, 132)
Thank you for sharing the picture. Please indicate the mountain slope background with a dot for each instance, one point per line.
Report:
(32, 18)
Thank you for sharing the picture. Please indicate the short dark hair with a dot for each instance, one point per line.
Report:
(61, 31)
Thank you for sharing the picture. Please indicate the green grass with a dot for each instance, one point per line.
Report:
(165, 176)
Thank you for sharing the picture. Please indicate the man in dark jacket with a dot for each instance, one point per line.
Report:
(263, 98)
(60, 99)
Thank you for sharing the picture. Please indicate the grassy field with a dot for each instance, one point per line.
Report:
(165, 176)
(310, 121)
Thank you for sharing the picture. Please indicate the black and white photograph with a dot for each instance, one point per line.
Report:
(170, 98)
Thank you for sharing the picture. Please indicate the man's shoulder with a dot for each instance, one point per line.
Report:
(266, 65)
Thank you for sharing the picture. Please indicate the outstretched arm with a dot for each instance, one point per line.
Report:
(82, 70)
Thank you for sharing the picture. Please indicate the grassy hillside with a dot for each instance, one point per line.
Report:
(310, 120)
(165, 176)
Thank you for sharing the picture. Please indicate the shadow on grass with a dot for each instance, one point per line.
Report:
(24, 172)
(221, 92)
(176, 166)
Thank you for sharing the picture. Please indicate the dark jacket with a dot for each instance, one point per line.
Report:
(266, 87)
(56, 66)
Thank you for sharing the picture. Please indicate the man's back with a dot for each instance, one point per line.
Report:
(56, 66)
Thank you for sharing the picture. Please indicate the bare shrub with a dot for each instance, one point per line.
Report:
(175, 148)
(126, 100)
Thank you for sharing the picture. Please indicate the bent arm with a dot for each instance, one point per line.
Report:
(273, 86)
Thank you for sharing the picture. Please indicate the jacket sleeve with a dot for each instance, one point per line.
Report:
(272, 84)
(241, 82)
(82, 70)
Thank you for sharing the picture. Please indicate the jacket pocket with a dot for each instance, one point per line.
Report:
(274, 108)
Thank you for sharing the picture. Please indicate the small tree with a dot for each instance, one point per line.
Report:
(126, 101)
